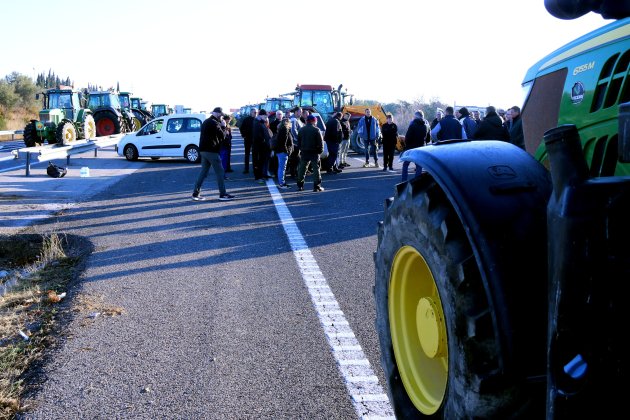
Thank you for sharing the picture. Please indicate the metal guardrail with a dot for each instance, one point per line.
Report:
(57, 151)
(12, 133)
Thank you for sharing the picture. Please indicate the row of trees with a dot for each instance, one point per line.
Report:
(17, 96)
(403, 111)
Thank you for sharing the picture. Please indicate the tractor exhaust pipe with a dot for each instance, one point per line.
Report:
(624, 133)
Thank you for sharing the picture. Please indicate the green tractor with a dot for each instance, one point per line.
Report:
(137, 115)
(63, 119)
(109, 115)
(159, 110)
(141, 106)
(502, 274)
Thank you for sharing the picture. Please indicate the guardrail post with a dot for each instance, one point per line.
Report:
(28, 163)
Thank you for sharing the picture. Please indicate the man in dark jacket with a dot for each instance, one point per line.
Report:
(333, 137)
(417, 136)
(311, 145)
(467, 121)
(261, 147)
(516, 128)
(212, 134)
(390, 137)
(491, 127)
(449, 127)
(247, 130)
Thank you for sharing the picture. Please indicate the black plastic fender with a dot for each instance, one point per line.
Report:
(500, 193)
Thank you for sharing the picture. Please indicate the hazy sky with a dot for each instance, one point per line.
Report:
(202, 54)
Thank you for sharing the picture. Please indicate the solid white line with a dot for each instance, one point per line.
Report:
(375, 405)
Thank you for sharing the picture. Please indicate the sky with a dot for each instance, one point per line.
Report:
(203, 54)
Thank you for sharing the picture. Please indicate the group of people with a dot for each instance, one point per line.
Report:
(462, 124)
(495, 125)
(292, 143)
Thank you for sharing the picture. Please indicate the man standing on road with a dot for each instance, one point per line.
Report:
(212, 134)
(294, 158)
(247, 130)
(311, 144)
(345, 142)
(369, 130)
(333, 137)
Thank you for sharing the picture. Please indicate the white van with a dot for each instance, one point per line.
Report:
(175, 135)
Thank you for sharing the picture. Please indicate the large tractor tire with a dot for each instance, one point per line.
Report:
(107, 123)
(356, 143)
(459, 333)
(89, 127)
(136, 124)
(66, 133)
(141, 117)
(31, 139)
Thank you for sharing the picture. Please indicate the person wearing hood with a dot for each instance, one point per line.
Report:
(469, 124)
(491, 127)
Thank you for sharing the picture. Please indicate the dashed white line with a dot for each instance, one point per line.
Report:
(369, 400)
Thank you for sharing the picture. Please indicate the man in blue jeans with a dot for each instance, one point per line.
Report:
(212, 134)
(369, 130)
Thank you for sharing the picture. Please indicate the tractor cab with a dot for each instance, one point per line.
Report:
(125, 100)
(323, 99)
(59, 104)
(159, 110)
(104, 100)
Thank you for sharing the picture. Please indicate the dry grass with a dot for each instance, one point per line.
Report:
(32, 309)
(17, 119)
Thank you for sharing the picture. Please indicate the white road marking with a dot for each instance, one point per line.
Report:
(364, 390)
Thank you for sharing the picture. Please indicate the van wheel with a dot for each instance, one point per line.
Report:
(130, 152)
(192, 154)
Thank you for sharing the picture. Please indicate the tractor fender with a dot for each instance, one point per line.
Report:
(500, 194)
(82, 114)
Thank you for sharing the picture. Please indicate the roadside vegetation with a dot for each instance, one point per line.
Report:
(36, 273)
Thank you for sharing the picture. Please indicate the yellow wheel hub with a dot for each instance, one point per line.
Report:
(418, 330)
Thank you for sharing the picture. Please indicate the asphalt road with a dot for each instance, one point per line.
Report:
(219, 319)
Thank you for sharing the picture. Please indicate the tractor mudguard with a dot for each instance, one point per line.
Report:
(500, 194)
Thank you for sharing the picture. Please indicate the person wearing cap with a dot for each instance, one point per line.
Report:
(311, 144)
(369, 130)
(261, 147)
(212, 133)
(390, 137)
(470, 126)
